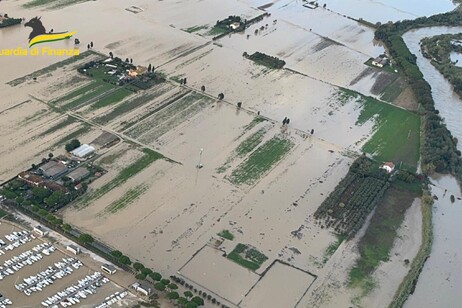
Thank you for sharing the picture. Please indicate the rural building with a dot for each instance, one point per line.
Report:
(105, 140)
(235, 25)
(142, 288)
(83, 151)
(78, 174)
(53, 169)
(40, 231)
(140, 70)
(389, 167)
(74, 249)
(109, 269)
(31, 179)
(380, 61)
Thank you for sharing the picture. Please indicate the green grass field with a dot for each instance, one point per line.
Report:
(226, 234)
(396, 132)
(261, 161)
(128, 172)
(247, 257)
(393, 90)
(115, 97)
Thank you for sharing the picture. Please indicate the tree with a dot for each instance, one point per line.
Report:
(140, 276)
(74, 144)
(159, 286)
(67, 228)
(34, 166)
(86, 238)
(50, 155)
(203, 88)
(55, 198)
(182, 301)
(173, 295)
(172, 286)
(40, 193)
(188, 294)
(146, 271)
(199, 301)
(125, 260)
(111, 55)
(191, 305)
(165, 281)
(116, 253)
(155, 276)
(138, 266)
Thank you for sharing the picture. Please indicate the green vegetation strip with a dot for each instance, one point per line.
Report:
(196, 28)
(74, 135)
(407, 286)
(247, 146)
(226, 234)
(145, 161)
(58, 126)
(131, 195)
(52, 68)
(261, 161)
(54, 4)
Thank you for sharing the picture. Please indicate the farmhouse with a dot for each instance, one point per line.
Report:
(31, 179)
(74, 249)
(380, 61)
(109, 269)
(53, 169)
(78, 174)
(235, 25)
(388, 167)
(83, 151)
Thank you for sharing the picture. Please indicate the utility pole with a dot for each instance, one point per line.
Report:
(199, 165)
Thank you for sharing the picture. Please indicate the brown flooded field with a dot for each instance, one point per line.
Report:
(258, 180)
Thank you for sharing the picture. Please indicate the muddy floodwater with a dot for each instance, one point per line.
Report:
(386, 10)
(439, 283)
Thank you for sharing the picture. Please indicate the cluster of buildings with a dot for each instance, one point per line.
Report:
(381, 61)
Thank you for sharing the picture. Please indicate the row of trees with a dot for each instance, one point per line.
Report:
(439, 152)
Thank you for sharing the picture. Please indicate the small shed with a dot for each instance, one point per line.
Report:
(142, 288)
(40, 231)
(74, 249)
(108, 269)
